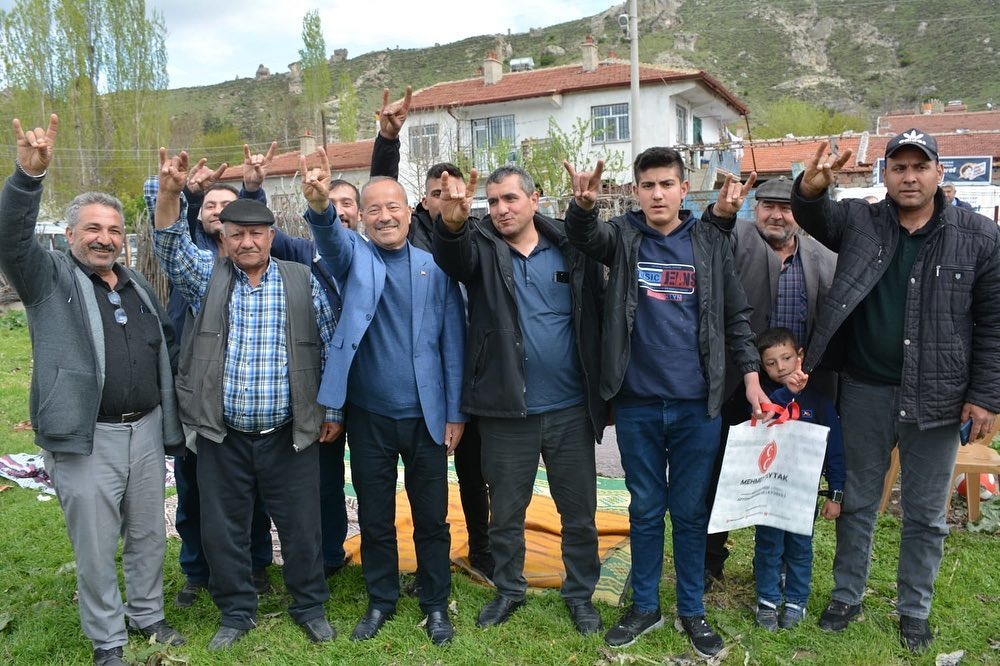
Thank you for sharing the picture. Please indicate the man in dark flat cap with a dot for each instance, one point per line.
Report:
(251, 362)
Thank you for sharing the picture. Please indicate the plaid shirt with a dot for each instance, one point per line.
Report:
(791, 308)
(255, 392)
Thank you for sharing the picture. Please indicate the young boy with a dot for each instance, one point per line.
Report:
(785, 383)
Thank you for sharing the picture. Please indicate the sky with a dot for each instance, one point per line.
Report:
(205, 48)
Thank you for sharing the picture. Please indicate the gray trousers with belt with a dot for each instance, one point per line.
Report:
(115, 491)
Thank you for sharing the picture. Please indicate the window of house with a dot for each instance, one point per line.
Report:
(682, 125)
(424, 143)
(610, 123)
(490, 135)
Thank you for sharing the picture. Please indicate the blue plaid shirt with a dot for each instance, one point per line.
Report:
(791, 308)
(255, 390)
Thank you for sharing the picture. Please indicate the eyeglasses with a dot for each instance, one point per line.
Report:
(116, 300)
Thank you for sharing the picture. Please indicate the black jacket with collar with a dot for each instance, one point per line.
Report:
(951, 336)
(723, 317)
(478, 257)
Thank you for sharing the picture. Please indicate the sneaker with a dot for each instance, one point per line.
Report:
(704, 640)
(838, 614)
(916, 633)
(792, 616)
(767, 615)
(186, 597)
(633, 624)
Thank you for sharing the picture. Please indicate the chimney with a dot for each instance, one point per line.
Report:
(589, 49)
(492, 69)
(307, 143)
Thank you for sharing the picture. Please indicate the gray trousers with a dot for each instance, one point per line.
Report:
(869, 415)
(115, 491)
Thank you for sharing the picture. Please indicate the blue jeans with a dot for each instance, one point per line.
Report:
(679, 433)
(774, 547)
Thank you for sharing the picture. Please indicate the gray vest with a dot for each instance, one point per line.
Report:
(203, 354)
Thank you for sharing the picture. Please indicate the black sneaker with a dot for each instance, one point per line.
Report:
(633, 624)
(767, 615)
(838, 614)
(704, 640)
(916, 633)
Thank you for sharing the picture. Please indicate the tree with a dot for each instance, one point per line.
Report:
(347, 113)
(316, 80)
(798, 117)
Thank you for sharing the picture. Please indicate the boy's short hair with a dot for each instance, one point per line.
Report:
(443, 168)
(773, 337)
(657, 156)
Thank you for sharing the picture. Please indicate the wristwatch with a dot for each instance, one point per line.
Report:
(837, 496)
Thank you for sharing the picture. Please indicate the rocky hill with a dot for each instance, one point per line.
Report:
(860, 56)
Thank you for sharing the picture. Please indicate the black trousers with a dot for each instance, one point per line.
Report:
(377, 443)
(472, 489)
(230, 474)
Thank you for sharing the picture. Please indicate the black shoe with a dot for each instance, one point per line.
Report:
(711, 578)
(161, 632)
(110, 657)
(585, 617)
(439, 627)
(370, 624)
(483, 564)
(224, 638)
(186, 597)
(261, 582)
(767, 616)
(916, 633)
(318, 630)
(838, 614)
(497, 611)
(633, 624)
(704, 640)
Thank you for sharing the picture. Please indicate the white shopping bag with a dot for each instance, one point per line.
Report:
(770, 475)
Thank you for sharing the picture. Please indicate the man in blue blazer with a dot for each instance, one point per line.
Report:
(395, 366)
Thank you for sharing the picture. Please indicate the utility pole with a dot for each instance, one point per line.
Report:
(633, 25)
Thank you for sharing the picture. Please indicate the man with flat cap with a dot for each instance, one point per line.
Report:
(784, 274)
(913, 318)
(249, 375)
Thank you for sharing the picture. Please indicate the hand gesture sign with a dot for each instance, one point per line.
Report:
(586, 185)
(456, 199)
(392, 116)
(174, 172)
(732, 195)
(202, 178)
(316, 182)
(255, 167)
(820, 170)
(35, 147)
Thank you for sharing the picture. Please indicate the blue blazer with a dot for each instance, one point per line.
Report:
(438, 321)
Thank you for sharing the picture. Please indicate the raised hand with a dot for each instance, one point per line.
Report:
(36, 147)
(316, 182)
(821, 170)
(174, 171)
(456, 199)
(586, 185)
(201, 178)
(255, 167)
(732, 195)
(392, 116)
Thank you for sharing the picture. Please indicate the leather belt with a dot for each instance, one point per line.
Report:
(128, 417)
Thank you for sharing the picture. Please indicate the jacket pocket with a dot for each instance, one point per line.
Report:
(60, 413)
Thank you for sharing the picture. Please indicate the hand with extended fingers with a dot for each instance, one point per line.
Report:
(36, 147)
(820, 171)
(174, 171)
(202, 178)
(732, 195)
(586, 185)
(456, 199)
(316, 182)
(392, 116)
(255, 167)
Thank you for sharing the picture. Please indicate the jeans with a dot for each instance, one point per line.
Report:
(774, 547)
(651, 436)
(926, 458)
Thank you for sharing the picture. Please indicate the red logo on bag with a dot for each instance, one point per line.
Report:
(767, 456)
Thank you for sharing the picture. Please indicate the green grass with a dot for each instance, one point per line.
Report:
(37, 587)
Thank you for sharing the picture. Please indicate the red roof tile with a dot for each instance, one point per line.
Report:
(558, 80)
(948, 121)
(342, 157)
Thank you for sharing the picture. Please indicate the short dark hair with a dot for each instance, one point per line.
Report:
(502, 173)
(224, 186)
(657, 156)
(443, 167)
(340, 182)
(773, 337)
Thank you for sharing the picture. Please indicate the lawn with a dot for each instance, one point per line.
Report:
(39, 624)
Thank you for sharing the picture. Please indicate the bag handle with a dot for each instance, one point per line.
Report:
(790, 412)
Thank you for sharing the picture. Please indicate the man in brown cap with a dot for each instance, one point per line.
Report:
(247, 384)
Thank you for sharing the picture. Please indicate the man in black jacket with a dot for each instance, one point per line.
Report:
(531, 371)
(913, 316)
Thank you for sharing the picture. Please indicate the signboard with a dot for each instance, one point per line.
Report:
(962, 170)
